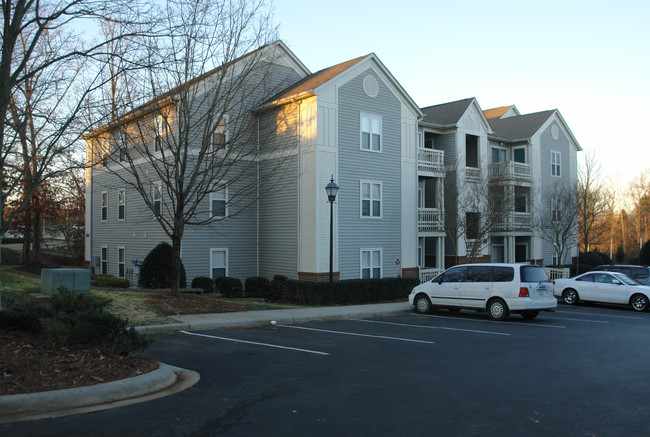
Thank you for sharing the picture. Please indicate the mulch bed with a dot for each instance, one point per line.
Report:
(31, 364)
(170, 305)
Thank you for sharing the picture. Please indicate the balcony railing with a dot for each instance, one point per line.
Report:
(472, 174)
(516, 221)
(431, 160)
(427, 274)
(510, 171)
(555, 273)
(430, 220)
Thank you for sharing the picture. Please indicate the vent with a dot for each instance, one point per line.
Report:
(370, 86)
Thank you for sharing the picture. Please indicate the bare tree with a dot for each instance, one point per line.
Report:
(46, 74)
(480, 204)
(595, 199)
(557, 221)
(197, 137)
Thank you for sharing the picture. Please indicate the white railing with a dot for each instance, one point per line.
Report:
(427, 274)
(430, 220)
(510, 170)
(472, 174)
(431, 160)
(514, 221)
(555, 273)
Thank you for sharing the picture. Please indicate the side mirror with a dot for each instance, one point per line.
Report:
(439, 281)
(616, 282)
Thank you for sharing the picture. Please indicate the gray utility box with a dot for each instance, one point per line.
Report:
(75, 280)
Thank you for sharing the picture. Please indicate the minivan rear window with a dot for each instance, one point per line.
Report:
(533, 274)
(503, 274)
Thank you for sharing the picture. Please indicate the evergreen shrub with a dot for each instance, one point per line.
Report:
(156, 269)
(255, 286)
(203, 282)
(228, 287)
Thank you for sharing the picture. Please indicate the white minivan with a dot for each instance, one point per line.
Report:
(499, 289)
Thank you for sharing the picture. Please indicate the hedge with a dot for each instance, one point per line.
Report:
(109, 281)
(349, 292)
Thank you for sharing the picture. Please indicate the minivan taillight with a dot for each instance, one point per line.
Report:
(523, 292)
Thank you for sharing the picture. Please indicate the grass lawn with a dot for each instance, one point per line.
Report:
(16, 287)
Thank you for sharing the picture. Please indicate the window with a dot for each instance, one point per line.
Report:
(220, 134)
(502, 274)
(556, 214)
(121, 204)
(160, 132)
(218, 203)
(478, 274)
(104, 152)
(121, 147)
(370, 199)
(521, 203)
(556, 164)
(519, 155)
(370, 263)
(370, 132)
(421, 140)
(120, 262)
(218, 263)
(472, 220)
(471, 151)
(499, 154)
(104, 260)
(455, 274)
(157, 198)
(104, 206)
(532, 274)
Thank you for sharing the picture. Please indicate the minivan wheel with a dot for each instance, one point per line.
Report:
(422, 304)
(497, 309)
(639, 302)
(529, 315)
(570, 296)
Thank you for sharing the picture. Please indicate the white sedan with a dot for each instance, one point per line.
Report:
(606, 287)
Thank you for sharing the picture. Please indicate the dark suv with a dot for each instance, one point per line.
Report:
(640, 273)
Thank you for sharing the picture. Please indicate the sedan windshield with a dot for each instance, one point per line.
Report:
(626, 279)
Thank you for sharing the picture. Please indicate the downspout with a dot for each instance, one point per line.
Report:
(257, 202)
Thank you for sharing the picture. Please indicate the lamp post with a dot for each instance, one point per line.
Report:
(331, 190)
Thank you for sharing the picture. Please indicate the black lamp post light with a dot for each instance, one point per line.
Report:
(331, 190)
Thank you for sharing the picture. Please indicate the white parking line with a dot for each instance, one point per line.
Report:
(431, 327)
(535, 325)
(355, 334)
(600, 315)
(256, 343)
(581, 320)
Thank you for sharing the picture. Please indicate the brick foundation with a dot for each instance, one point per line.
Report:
(410, 272)
(318, 277)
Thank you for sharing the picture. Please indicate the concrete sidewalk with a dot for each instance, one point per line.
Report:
(292, 315)
(168, 379)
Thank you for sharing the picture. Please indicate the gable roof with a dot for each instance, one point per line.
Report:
(306, 86)
(497, 112)
(167, 97)
(519, 127)
(446, 114)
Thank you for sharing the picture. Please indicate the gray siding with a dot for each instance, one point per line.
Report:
(354, 165)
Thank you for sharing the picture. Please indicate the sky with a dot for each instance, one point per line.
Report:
(588, 59)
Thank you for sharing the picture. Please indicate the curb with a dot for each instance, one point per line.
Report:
(160, 382)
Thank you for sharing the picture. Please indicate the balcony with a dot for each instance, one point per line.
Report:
(430, 220)
(432, 161)
(516, 221)
(510, 171)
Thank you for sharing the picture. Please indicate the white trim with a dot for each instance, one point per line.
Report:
(218, 249)
(224, 190)
(370, 131)
(371, 267)
(123, 263)
(103, 260)
(123, 205)
(159, 132)
(103, 206)
(556, 165)
(216, 128)
(371, 199)
(153, 197)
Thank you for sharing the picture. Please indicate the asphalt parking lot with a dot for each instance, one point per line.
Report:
(578, 371)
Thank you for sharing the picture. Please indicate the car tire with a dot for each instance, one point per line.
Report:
(639, 302)
(497, 309)
(423, 304)
(529, 315)
(570, 296)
